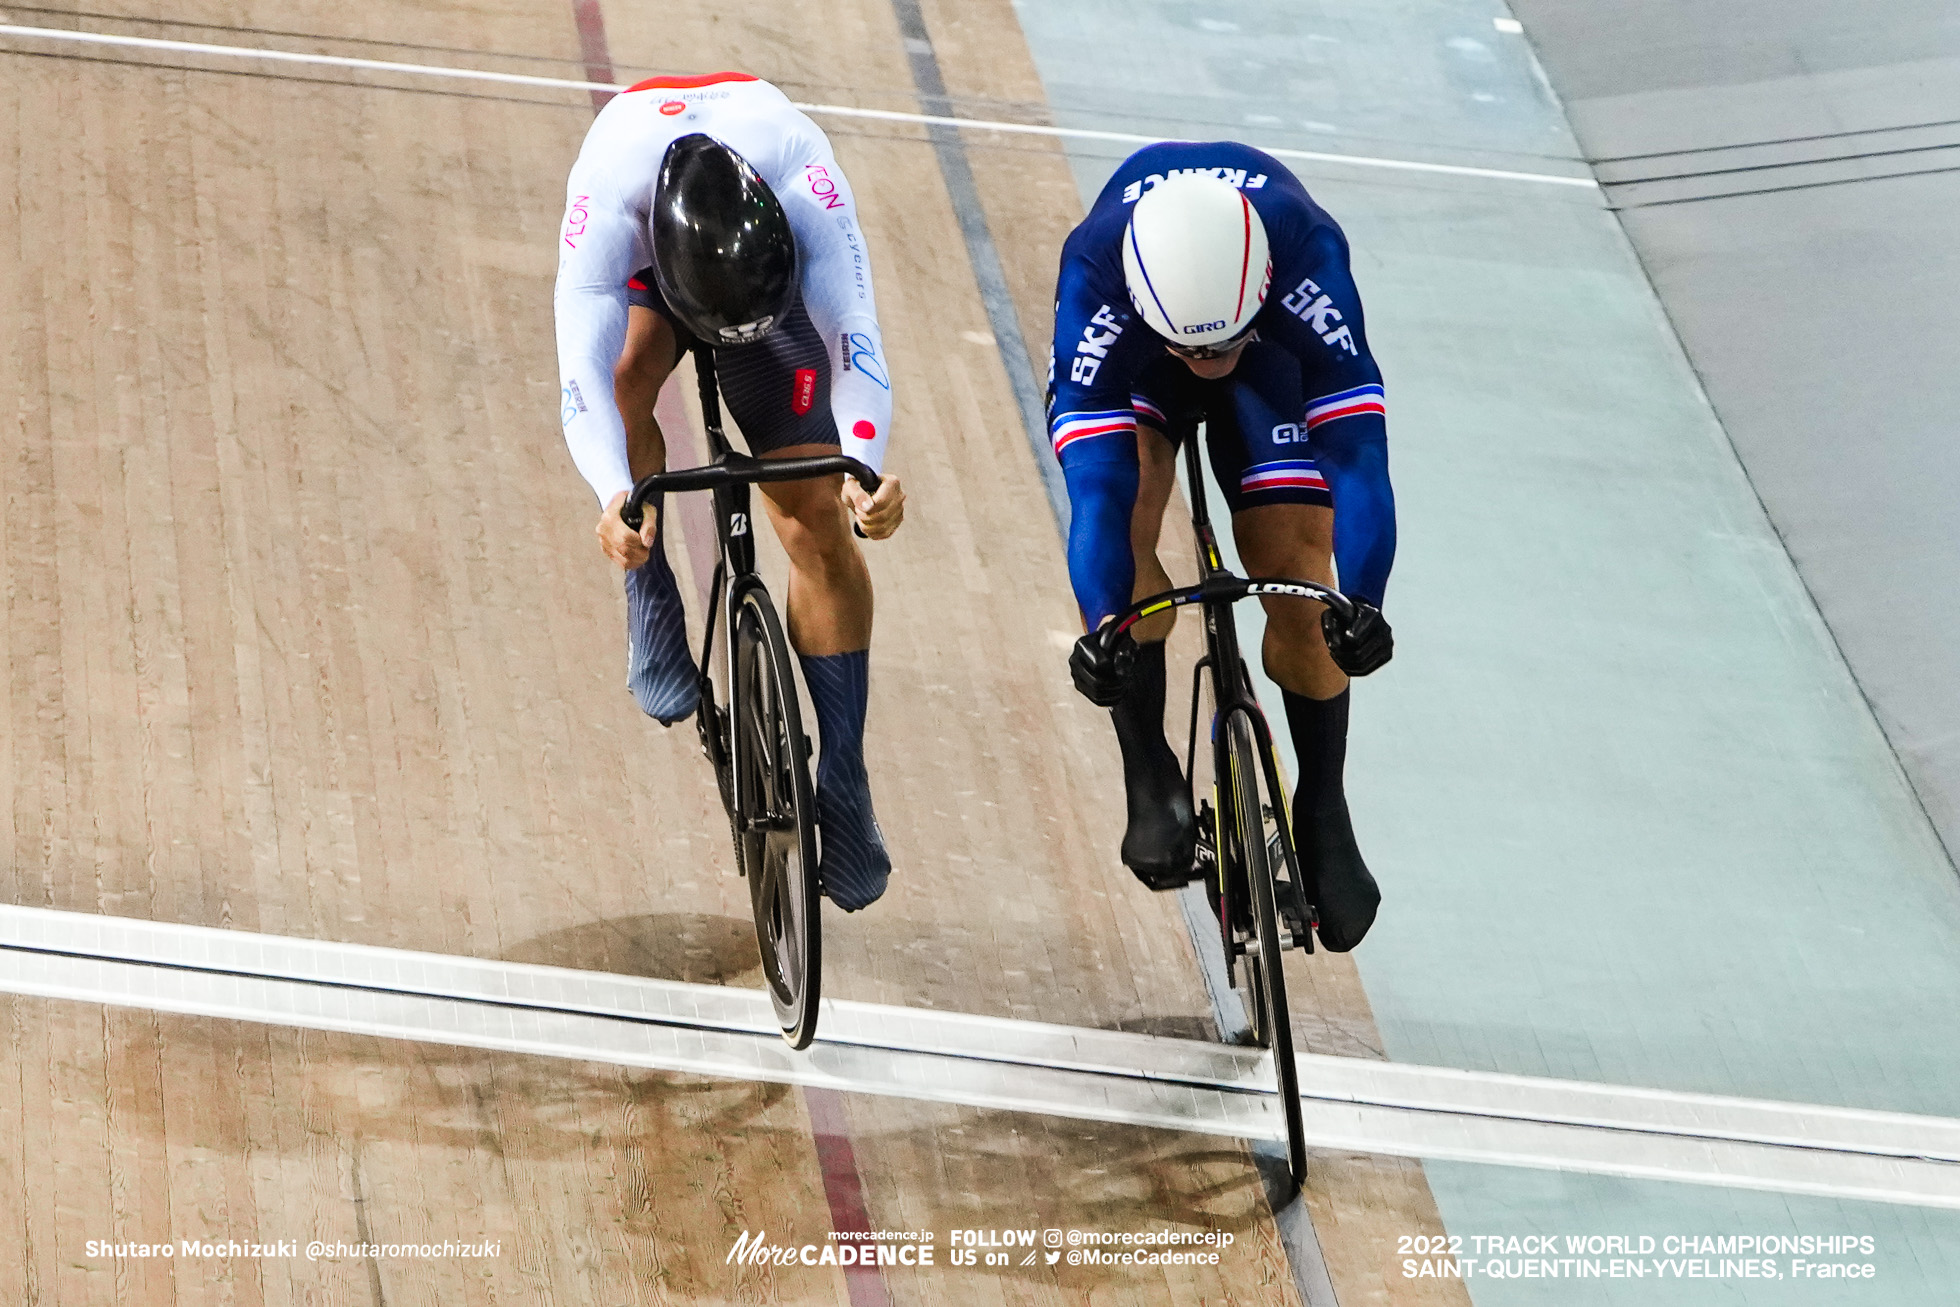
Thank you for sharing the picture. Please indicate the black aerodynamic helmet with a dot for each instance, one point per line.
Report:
(723, 254)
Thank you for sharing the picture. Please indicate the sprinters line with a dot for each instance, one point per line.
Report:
(827, 110)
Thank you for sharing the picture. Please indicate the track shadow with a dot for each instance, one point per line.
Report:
(694, 947)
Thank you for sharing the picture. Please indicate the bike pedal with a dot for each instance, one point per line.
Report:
(1297, 917)
(1296, 928)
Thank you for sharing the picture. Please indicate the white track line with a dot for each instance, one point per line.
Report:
(830, 110)
(986, 1062)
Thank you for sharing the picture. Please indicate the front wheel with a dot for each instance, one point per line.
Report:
(776, 816)
(1265, 979)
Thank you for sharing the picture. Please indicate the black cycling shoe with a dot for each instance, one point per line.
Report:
(1161, 843)
(1338, 882)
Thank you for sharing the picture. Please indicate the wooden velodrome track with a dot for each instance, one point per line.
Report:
(306, 633)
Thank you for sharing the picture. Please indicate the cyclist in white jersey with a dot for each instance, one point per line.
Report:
(806, 379)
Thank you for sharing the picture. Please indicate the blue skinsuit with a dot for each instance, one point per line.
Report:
(1299, 420)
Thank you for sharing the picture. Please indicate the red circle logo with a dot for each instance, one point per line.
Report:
(673, 107)
(864, 430)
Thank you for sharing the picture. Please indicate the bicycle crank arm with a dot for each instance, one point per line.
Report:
(769, 823)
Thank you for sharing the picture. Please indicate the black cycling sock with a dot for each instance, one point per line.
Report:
(1319, 728)
(1338, 880)
(1139, 714)
(1159, 842)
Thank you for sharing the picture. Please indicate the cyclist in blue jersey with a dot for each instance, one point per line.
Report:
(1206, 286)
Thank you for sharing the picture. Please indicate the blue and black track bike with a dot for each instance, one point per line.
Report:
(1245, 853)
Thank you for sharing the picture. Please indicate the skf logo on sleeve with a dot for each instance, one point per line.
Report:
(804, 392)
(1093, 348)
(572, 404)
(1307, 303)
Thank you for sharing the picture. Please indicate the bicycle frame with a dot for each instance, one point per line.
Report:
(1218, 588)
(729, 475)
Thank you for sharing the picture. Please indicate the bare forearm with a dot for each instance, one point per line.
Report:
(646, 447)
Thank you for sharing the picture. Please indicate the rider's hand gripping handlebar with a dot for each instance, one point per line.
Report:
(737, 469)
(1358, 636)
(1226, 588)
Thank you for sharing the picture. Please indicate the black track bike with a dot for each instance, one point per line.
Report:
(1246, 852)
(756, 744)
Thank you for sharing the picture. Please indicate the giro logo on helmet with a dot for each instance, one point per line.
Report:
(1195, 260)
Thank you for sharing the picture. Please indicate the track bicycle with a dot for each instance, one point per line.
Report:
(1245, 850)
(756, 744)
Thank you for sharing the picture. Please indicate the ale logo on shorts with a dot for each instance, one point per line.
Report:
(673, 107)
(804, 392)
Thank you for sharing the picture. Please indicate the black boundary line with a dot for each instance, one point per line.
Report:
(1114, 1073)
(1770, 167)
(1782, 140)
(1778, 190)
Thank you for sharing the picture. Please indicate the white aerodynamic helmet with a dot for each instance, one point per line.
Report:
(1196, 261)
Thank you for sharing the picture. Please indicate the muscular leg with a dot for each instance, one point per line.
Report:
(660, 671)
(830, 627)
(1292, 540)
(1159, 843)
(1297, 540)
(829, 585)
